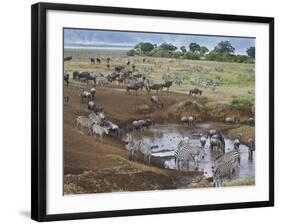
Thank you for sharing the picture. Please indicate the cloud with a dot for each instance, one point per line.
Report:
(122, 38)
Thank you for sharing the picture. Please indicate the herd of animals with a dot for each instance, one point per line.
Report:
(225, 164)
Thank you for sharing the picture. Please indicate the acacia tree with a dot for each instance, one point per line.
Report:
(203, 50)
(183, 49)
(251, 51)
(144, 47)
(167, 47)
(194, 47)
(224, 47)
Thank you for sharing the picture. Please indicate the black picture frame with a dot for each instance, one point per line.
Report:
(38, 108)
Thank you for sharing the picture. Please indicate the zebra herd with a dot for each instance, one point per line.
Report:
(225, 164)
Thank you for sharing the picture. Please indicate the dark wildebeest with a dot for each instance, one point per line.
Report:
(128, 63)
(93, 61)
(195, 92)
(66, 78)
(108, 60)
(251, 121)
(98, 60)
(167, 85)
(251, 148)
(218, 141)
(68, 58)
(75, 75)
(133, 67)
(119, 68)
(132, 86)
(156, 100)
(155, 87)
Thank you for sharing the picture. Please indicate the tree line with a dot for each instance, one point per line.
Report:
(223, 51)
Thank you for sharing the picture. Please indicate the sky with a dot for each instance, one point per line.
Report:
(81, 38)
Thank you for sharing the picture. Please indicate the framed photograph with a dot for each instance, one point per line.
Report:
(139, 111)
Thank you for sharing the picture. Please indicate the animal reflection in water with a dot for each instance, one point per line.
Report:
(189, 150)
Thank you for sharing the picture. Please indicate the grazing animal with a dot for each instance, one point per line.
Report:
(167, 85)
(102, 81)
(68, 58)
(138, 124)
(195, 92)
(156, 100)
(99, 130)
(236, 143)
(225, 166)
(251, 121)
(155, 87)
(93, 61)
(111, 126)
(203, 141)
(98, 60)
(132, 86)
(232, 120)
(183, 154)
(93, 93)
(107, 60)
(97, 118)
(83, 122)
(138, 146)
(212, 132)
(191, 120)
(84, 95)
(91, 105)
(66, 99)
(119, 68)
(66, 78)
(251, 148)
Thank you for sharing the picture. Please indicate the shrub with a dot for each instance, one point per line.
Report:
(241, 104)
(131, 53)
(191, 56)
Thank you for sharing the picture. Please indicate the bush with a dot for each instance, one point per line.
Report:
(241, 104)
(191, 56)
(160, 53)
(131, 53)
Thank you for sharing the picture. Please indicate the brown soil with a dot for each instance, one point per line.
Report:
(91, 165)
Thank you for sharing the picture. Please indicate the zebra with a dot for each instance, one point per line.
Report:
(93, 93)
(225, 166)
(138, 146)
(84, 122)
(99, 130)
(183, 154)
(155, 100)
(97, 118)
(191, 120)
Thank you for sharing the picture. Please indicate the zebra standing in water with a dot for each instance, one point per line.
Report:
(183, 154)
(225, 166)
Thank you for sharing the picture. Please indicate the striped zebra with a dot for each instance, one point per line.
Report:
(138, 146)
(183, 154)
(225, 166)
(84, 122)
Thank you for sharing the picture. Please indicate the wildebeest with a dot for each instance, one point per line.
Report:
(251, 121)
(132, 86)
(232, 120)
(195, 92)
(119, 68)
(98, 60)
(68, 58)
(167, 85)
(93, 61)
(84, 95)
(217, 142)
(236, 143)
(251, 148)
(203, 141)
(156, 100)
(155, 87)
(66, 78)
(66, 99)
(188, 120)
(93, 93)
(107, 60)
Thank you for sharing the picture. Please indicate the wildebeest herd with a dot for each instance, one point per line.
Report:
(131, 79)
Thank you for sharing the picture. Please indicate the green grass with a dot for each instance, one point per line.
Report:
(237, 78)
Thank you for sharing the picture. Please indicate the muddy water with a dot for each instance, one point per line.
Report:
(165, 139)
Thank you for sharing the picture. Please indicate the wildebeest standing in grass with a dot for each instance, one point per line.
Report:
(167, 84)
(156, 101)
(98, 60)
(155, 87)
(195, 92)
(132, 86)
(68, 58)
(66, 78)
(93, 61)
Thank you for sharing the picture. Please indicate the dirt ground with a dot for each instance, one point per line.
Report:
(91, 165)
